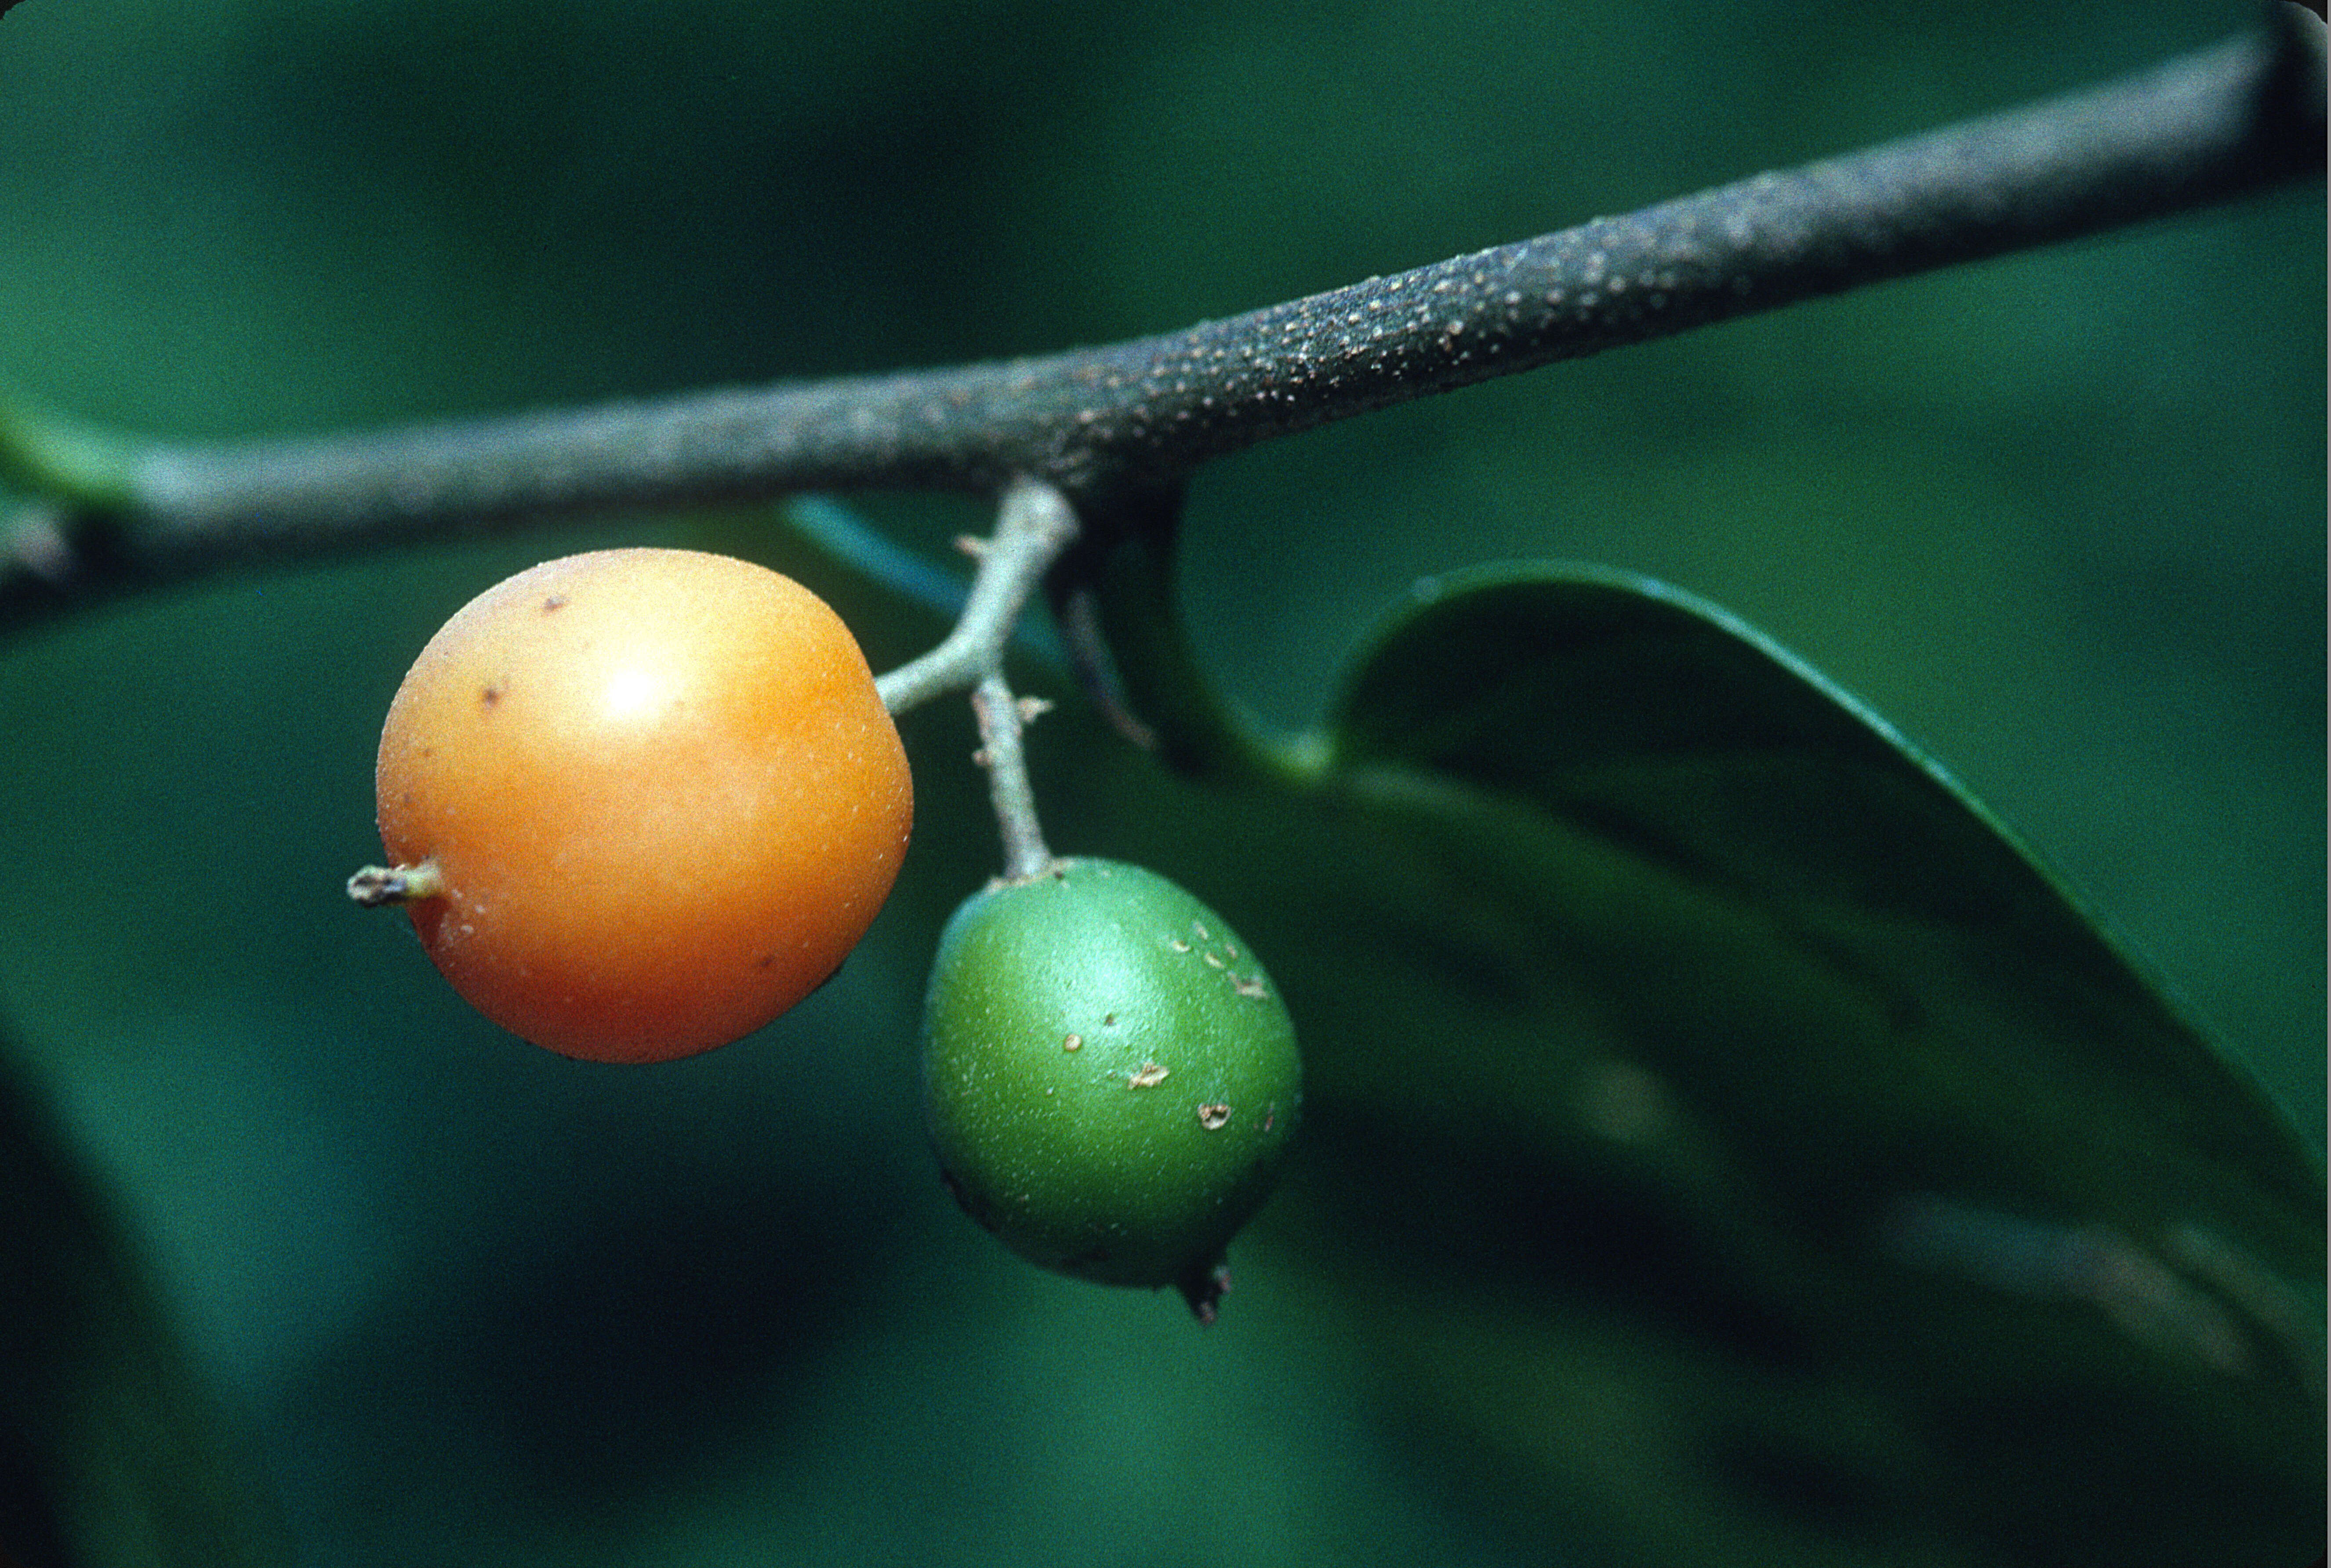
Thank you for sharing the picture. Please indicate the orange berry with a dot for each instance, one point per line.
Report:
(660, 795)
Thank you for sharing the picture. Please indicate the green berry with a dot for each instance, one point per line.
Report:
(1109, 1076)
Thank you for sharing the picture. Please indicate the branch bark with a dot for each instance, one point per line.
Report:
(2207, 127)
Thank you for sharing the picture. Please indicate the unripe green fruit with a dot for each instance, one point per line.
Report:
(1110, 1077)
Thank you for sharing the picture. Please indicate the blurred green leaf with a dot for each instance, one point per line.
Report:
(1733, 781)
(111, 1456)
(1723, 1133)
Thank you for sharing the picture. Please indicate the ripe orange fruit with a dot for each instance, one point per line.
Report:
(660, 795)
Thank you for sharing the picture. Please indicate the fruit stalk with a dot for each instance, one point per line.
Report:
(1000, 718)
(1034, 524)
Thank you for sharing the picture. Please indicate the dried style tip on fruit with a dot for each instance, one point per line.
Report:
(639, 802)
(1133, 1156)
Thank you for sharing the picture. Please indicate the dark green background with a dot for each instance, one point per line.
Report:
(2060, 518)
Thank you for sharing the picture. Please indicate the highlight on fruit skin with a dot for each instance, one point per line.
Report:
(1109, 1076)
(640, 802)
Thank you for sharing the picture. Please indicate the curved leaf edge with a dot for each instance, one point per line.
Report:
(1330, 761)
(126, 1456)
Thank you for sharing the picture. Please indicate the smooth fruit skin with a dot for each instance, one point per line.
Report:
(662, 795)
(1109, 1076)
